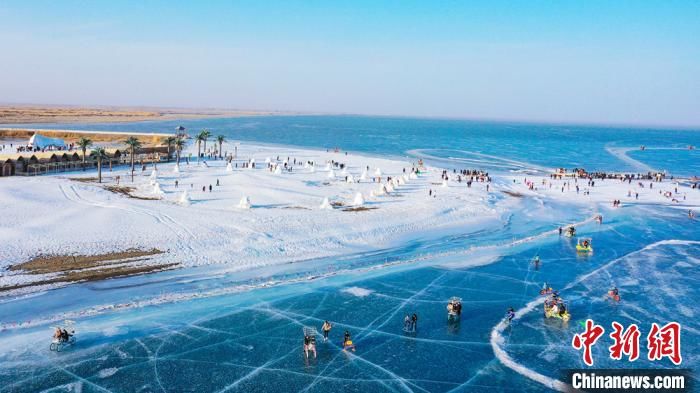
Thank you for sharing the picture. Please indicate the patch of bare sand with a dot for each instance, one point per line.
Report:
(81, 268)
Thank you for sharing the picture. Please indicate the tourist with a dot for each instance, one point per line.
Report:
(326, 328)
(510, 314)
(347, 342)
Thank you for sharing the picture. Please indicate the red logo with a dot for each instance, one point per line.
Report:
(625, 343)
(662, 342)
(587, 339)
(665, 342)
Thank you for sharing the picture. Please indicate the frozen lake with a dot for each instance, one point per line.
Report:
(242, 332)
(252, 341)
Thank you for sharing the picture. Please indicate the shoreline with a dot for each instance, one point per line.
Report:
(18, 114)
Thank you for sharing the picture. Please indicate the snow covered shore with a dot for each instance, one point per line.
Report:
(241, 216)
(254, 217)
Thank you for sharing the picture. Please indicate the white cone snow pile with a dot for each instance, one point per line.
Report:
(184, 199)
(403, 180)
(176, 169)
(312, 169)
(413, 176)
(278, 170)
(157, 190)
(326, 204)
(444, 183)
(350, 179)
(331, 174)
(344, 171)
(363, 177)
(328, 167)
(154, 177)
(378, 172)
(244, 203)
(388, 187)
(229, 167)
(359, 200)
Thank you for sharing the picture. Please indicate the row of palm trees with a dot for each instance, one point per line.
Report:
(133, 144)
(203, 136)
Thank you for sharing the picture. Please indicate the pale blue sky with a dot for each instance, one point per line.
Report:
(634, 62)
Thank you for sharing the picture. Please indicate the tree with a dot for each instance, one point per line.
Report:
(201, 137)
(133, 144)
(179, 145)
(99, 153)
(221, 139)
(206, 134)
(83, 143)
(170, 141)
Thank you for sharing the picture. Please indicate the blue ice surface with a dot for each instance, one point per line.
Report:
(251, 341)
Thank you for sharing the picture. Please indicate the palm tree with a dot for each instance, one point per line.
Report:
(201, 137)
(221, 139)
(99, 153)
(206, 134)
(133, 144)
(179, 145)
(83, 143)
(170, 141)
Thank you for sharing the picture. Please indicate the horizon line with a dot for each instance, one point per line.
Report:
(283, 112)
